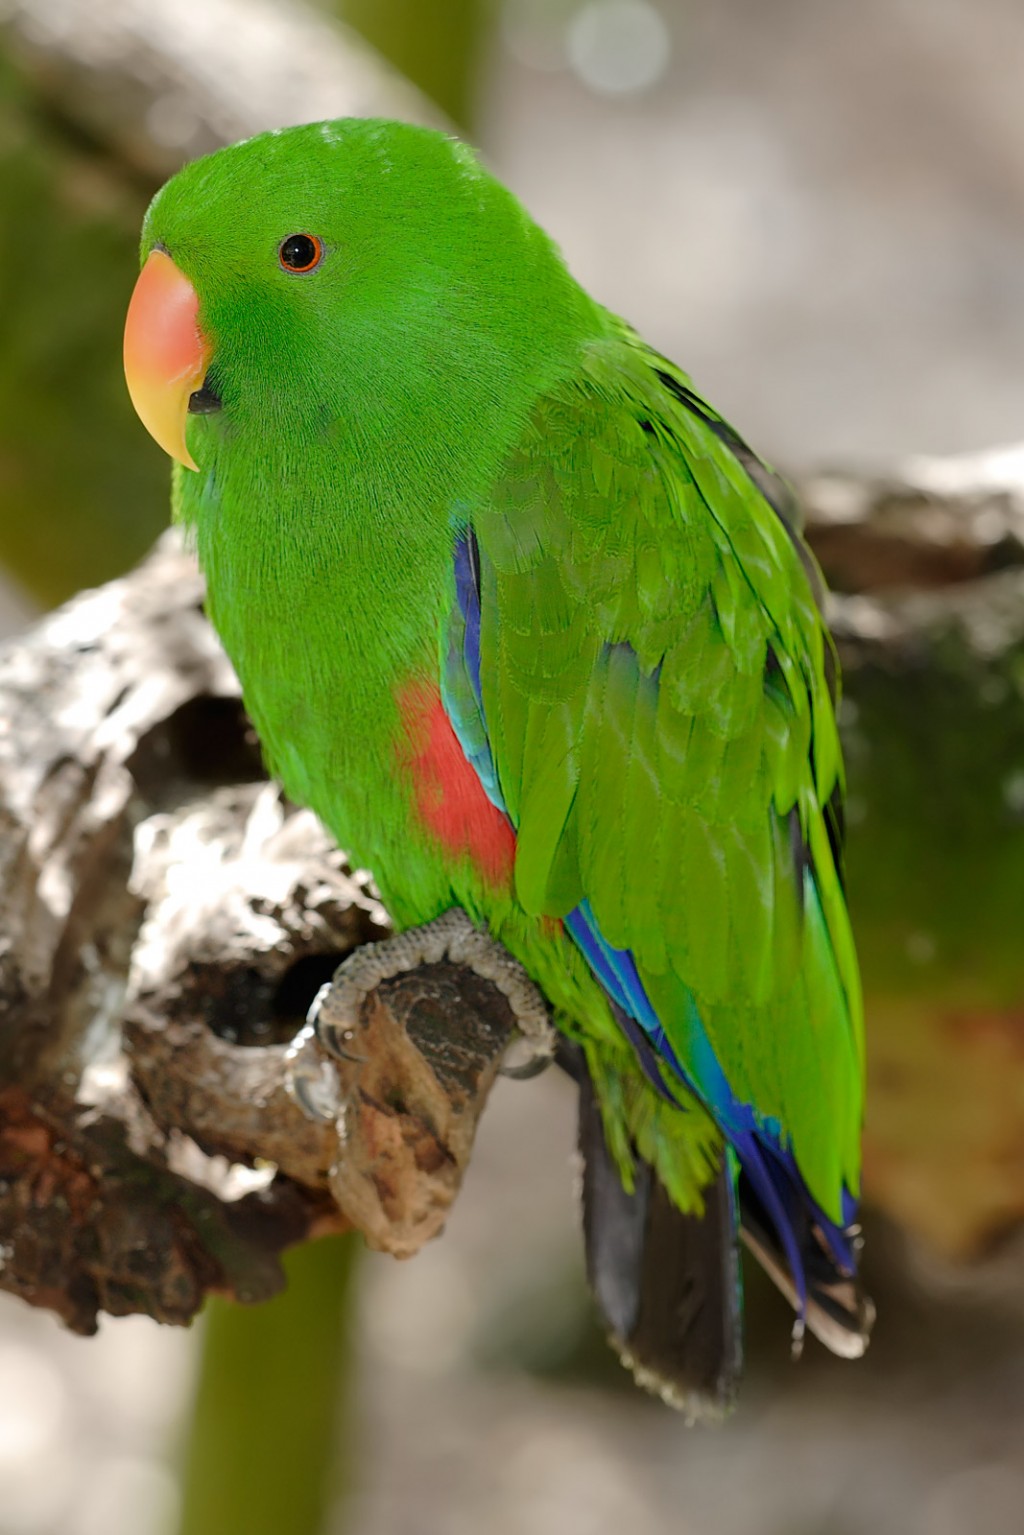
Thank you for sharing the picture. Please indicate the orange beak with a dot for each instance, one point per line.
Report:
(165, 353)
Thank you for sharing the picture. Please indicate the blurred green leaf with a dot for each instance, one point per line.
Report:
(437, 43)
(934, 744)
(83, 492)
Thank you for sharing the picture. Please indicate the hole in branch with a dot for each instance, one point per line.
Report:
(299, 985)
(206, 743)
(244, 1006)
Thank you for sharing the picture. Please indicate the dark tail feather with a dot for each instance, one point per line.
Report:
(667, 1284)
(838, 1313)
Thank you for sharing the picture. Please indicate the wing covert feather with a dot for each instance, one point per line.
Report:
(654, 683)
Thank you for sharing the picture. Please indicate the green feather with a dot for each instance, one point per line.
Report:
(653, 661)
(686, 740)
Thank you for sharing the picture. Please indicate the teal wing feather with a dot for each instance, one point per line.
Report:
(655, 677)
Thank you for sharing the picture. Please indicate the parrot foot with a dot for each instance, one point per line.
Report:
(334, 1015)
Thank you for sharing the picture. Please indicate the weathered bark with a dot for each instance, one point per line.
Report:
(166, 918)
(935, 523)
(165, 921)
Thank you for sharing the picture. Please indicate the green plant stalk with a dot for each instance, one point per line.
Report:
(268, 1449)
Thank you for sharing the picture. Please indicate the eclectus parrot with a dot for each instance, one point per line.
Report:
(537, 636)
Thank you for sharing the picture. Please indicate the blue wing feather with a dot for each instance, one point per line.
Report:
(760, 1143)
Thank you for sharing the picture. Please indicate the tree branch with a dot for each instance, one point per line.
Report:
(166, 919)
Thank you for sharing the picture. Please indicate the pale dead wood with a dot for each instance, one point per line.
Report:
(166, 918)
(165, 921)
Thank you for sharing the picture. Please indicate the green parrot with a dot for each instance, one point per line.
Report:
(536, 635)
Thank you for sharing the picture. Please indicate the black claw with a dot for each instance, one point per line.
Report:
(345, 1055)
(330, 1039)
(530, 1068)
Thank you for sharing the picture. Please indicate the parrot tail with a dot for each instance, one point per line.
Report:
(667, 1284)
(835, 1307)
(669, 1287)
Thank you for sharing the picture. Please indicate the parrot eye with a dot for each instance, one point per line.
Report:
(300, 253)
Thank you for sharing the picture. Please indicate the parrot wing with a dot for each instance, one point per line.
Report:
(639, 672)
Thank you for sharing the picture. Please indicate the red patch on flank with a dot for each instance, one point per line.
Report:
(450, 799)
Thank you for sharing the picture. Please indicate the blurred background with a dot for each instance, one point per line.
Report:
(818, 209)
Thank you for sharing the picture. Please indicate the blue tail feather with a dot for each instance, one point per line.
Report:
(765, 1159)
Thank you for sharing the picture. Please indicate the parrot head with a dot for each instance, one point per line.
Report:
(347, 277)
